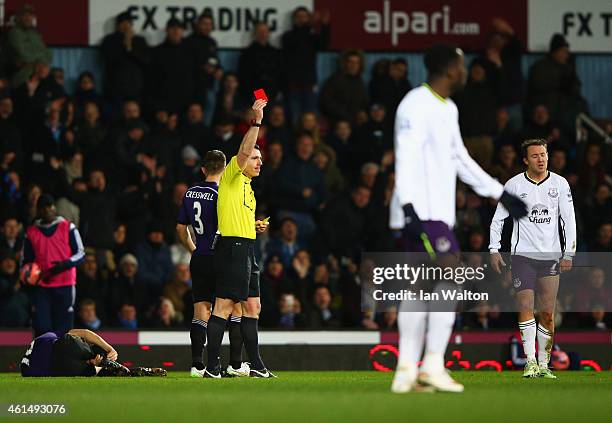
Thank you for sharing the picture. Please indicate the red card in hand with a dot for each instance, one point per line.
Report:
(260, 94)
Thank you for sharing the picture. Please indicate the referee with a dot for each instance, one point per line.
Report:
(237, 273)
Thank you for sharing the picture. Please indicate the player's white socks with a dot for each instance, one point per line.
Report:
(439, 329)
(411, 326)
(528, 336)
(545, 344)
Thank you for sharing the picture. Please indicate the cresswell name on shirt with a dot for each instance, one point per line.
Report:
(200, 195)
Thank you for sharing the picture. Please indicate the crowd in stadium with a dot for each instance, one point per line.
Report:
(119, 154)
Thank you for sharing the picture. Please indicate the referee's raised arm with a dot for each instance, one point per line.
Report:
(250, 138)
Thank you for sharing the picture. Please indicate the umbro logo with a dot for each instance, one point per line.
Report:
(523, 195)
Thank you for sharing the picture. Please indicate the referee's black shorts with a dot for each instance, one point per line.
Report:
(236, 269)
(70, 355)
(202, 278)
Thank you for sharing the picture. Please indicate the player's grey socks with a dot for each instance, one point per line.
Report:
(528, 335)
(251, 342)
(235, 337)
(544, 345)
(216, 327)
(198, 339)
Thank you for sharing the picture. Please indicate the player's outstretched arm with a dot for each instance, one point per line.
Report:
(568, 227)
(95, 339)
(182, 232)
(250, 138)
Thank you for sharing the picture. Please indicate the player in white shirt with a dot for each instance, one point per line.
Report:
(539, 240)
(429, 155)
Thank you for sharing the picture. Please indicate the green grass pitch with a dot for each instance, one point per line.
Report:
(315, 397)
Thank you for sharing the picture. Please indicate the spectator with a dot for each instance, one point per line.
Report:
(86, 93)
(541, 126)
(154, 260)
(594, 292)
(505, 134)
(166, 144)
(322, 315)
(325, 159)
(390, 86)
(166, 206)
(26, 46)
(301, 185)
(307, 123)
(592, 172)
(274, 281)
(127, 317)
(90, 137)
(290, 312)
(188, 170)
(261, 65)
(120, 247)
(98, 211)
(286, 244)
(134, 149)
(11, 147)
(128, 287)
(178, 290)
(478, 104)
(204, 49)
(557, 161)
(553, 82)
(301, 274)
(172, 71)
(344, 223)
(225, 137)
(277, 128)
(373, 137)
(194, 131)
(300, 46)
(341, 140)
(503, 53)
(125, 56)
(14, 304)
(507, 165)
(165, 315)
(344, 94)
(266, 186)
(87, 316)
(598, 210)
(230, 99)
(11, 238)
(603, 239)
(388, 320)
(91, 284)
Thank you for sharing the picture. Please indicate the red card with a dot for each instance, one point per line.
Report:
(260, 94)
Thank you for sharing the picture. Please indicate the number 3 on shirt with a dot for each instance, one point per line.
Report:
(199, 225)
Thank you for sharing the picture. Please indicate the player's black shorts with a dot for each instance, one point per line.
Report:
(70, 355)
(203, 278)
(236, 269)
(526, 271)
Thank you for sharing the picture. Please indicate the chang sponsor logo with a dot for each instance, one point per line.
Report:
(540, 214)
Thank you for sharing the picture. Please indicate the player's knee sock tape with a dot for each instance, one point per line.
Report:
(251, 342)
(528, 336)
(545, 344)
(235, 337)
(412, 336)
(216, 327)
(439, 329)
(198, 338)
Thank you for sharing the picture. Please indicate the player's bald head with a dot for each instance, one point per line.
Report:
(440, 57)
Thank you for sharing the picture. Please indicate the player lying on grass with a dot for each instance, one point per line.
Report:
(199, 210)
(539, 240)
(80, 352)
